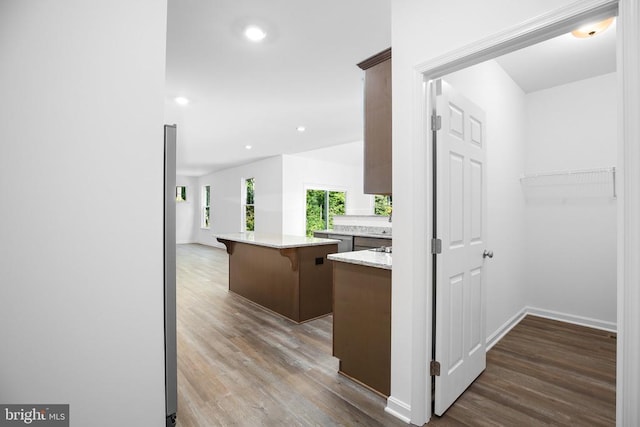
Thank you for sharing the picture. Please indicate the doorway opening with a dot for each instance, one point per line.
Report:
(551, 202)
(532, 32)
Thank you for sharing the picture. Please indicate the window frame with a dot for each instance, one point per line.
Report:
(245, 202)
(182, 194)
(326, 210)
(204, 205)
(387, 202)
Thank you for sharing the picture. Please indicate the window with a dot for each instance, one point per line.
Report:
(322, 205)
(249, 206)
(181, 193)
(206, 206)
(383, 205)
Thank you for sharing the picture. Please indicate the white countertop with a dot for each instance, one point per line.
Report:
(367, 257)
(278, 241)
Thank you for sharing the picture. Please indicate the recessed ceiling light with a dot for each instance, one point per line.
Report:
(248, 147)
(301, 128)
(255, 34)
(181, 100)
(592, 29)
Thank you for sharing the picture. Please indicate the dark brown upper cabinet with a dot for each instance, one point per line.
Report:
(377, 123)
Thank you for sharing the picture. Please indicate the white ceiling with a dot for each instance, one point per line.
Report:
(305, 73)
(242, 93)
(561, 60)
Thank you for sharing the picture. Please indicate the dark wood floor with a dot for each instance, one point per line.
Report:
(240, 365)
(541, 373)
(243, 366)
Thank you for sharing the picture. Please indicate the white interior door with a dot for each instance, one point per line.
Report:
(461, 187)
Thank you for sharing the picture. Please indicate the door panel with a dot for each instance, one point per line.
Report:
(460, 340)
(456, 316)
(456, 200)
(476, 201)
(475, 327)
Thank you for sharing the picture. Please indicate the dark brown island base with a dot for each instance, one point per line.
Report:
(289, 275)
(362, 317)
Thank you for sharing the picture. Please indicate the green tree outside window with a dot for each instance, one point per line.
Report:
(206, 206)
(383, 205)
(322, 206)
(249, 213)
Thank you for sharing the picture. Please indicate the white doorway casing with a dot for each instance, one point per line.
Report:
(410, 392)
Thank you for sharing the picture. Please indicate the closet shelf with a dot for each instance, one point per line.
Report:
(578, 182)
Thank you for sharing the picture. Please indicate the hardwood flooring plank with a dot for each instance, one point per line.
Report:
(543, 372)
(240, 365)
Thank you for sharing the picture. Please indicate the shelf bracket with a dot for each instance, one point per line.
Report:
(229, 245)
(292, 254)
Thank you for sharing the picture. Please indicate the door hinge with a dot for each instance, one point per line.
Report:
(434, 368)
(436, 122)
(436, 246)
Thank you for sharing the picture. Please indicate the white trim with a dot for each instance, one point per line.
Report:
(536, 30)
(212, 245)
(530, 32)
(628, 369)
(398, 409)
(422, 297)
(419, 409)
(503, 330)
(571, 318)
(185, 242)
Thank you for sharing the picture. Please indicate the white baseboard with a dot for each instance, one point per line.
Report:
(505, 328)
(398, 409)
(571, 318)
(547, 314)
(212, 244)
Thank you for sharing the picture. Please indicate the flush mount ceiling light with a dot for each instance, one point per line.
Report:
(248, 147)
(181, 100)
(592, 29)
(301, 129)
(254, 33)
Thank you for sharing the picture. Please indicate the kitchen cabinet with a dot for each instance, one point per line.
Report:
(361, 243)
(362, 323)
(345, 241)
(377, 123)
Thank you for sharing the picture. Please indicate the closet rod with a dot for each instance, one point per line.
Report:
(569, 172)
(608, 170)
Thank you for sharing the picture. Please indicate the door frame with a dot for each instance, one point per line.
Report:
(533, 31)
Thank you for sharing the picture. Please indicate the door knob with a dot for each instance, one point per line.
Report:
(487, 254)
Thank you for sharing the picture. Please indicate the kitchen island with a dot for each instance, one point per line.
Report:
(362, 317)
(288, 275)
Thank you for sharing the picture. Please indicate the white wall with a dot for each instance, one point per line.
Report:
(188, 213)
(554, 254)
(81, 171)
(423, 31)
(280, 194)
(571, 241)
(488, 86)
(226, 199)
(338, 168)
